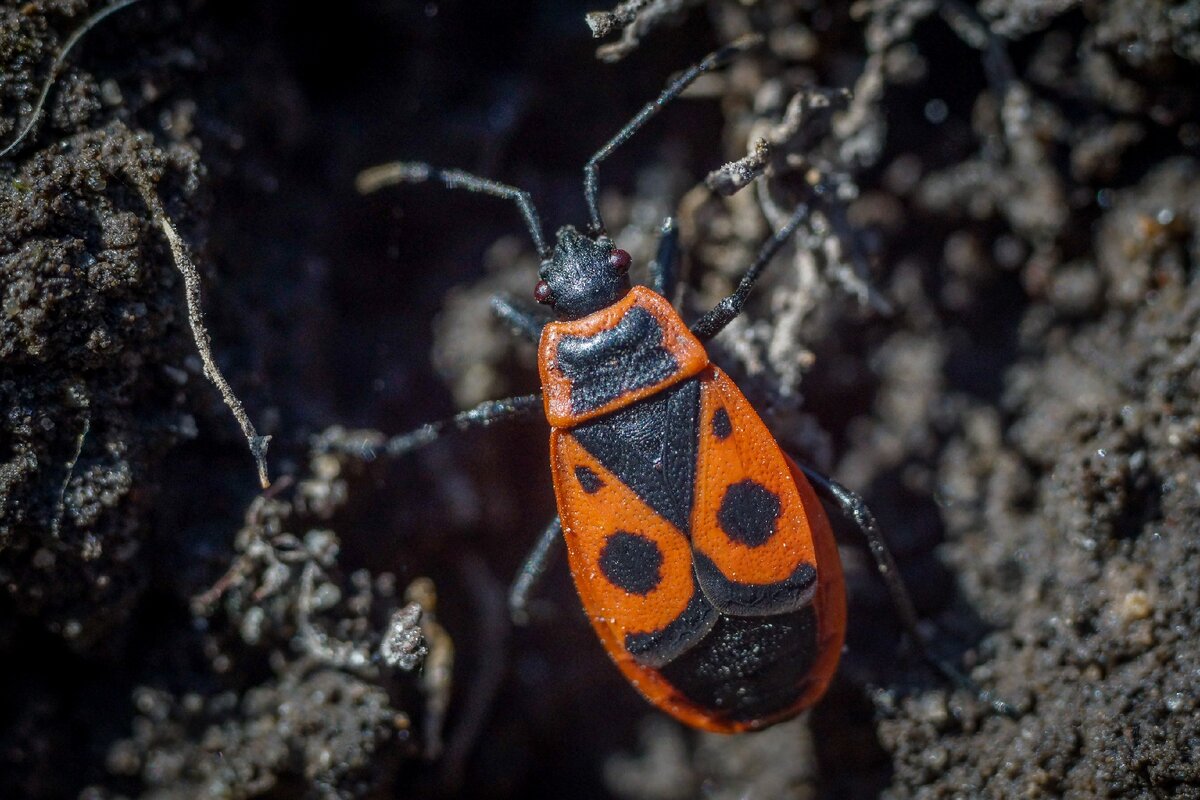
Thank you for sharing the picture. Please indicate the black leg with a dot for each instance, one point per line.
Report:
(855, 508)
(522, 322)
(727, 310)
(592, 170)
(532, 571)
(664, 269)
(481, 416)
(376, 178)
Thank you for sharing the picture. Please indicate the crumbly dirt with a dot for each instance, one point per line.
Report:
(988, 328)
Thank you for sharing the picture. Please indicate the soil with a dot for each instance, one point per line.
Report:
(989, 327)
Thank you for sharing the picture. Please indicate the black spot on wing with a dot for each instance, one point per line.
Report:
(613, 362)
(748, 668)
(663, 646)
(755, 599)
(749, 513)
(650, 446)
(631, 562)
(588, 479)
(721, 426)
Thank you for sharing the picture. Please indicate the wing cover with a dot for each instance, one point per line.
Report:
(750, 530)
(632, 568)
(651, 447)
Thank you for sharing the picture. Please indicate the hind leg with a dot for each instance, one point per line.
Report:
(532, 571)
(855, 509)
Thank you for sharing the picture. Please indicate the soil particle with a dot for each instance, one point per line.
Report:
(95, 376)
(1076, 525)
(987, 327)
(309, 727)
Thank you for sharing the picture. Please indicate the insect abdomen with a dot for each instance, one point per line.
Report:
(749, 668)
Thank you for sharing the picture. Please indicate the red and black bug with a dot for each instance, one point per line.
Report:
(701, 552)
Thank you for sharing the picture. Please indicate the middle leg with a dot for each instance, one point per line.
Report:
(481, 416)
(728, 309)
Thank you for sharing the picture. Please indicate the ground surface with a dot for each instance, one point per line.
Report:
(1025, 420)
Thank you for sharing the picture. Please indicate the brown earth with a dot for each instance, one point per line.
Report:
(991, 332)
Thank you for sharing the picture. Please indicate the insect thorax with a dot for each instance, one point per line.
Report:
(634, 348)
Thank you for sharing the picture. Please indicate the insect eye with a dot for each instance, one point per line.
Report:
(619, 260)
(542, 292)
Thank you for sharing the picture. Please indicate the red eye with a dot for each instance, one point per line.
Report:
(542, 292)
(619, 260)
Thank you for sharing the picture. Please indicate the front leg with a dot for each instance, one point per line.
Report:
(520, 321)
(664, 269)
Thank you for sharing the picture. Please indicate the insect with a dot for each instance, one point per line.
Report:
(701, 552)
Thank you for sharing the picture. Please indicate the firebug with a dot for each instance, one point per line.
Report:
(700, 550)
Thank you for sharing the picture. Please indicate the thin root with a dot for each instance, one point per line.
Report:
(56, 526)
(59, 60)
(191, 282)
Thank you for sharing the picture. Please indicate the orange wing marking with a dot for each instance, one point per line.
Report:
(632, 568)
(753, 545)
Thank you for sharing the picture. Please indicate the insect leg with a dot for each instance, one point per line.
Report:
(592, 170)
(396, 172)
(855, 508)
(532, 571)
(664, 269)
(481, 416)
(727, 310)
(522, 322)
